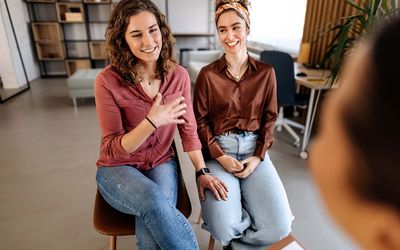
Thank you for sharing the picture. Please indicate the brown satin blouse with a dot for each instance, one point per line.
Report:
(221, 104)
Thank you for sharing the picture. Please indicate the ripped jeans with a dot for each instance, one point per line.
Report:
(151, 196)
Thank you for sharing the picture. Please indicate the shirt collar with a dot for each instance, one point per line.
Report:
(222, 63)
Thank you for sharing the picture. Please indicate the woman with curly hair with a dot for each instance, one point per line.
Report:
(140, 99)
(236, 109)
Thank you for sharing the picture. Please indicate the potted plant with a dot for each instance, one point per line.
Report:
(350, 29)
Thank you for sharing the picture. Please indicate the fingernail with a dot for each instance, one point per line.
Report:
(183, 98)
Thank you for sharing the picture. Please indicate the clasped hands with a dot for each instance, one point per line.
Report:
(241, 169)
(168, 113)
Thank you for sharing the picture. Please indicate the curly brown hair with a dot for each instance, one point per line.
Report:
(122, 59)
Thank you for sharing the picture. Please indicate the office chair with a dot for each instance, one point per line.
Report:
(283, 65)
(113, 223)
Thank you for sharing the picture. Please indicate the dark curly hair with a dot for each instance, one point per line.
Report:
(122, 59)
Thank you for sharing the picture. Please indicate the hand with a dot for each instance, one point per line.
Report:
(230, 164)
(216, 186)
(251, 163)
(168, 113)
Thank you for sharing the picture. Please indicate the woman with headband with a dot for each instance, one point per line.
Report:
(236, 108)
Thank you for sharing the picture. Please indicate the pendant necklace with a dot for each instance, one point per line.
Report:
(237, 77)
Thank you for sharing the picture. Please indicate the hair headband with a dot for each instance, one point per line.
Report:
(238, 8)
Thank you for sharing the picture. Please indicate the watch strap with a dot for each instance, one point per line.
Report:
(203, 171)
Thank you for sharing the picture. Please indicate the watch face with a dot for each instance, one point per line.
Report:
(206, 170)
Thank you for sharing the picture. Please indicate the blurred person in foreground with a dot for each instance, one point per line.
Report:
(355, 158)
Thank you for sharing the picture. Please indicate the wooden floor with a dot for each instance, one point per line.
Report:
(48, 152)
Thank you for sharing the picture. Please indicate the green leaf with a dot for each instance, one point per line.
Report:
(349, 29)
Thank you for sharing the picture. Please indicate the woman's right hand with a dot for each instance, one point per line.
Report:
(230, 164)
(219, 189)
(168, 113)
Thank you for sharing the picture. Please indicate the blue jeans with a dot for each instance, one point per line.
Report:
(256, 213)
(151, 196)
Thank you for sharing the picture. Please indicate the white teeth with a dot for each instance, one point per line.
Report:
(232, 43)
(149, 50)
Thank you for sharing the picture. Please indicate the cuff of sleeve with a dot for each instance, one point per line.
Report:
(215, 150)
(262, 148)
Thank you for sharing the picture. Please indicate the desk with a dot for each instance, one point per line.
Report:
(316, 81)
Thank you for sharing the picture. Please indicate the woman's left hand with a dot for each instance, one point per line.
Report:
(251, 163)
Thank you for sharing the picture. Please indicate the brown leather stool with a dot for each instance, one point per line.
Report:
(113, 223)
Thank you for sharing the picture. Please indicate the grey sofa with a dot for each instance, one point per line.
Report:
(81, 83)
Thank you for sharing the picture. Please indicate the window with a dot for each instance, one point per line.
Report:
(278, 23)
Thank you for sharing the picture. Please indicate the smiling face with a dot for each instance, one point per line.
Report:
(232, 31)
(143, 37)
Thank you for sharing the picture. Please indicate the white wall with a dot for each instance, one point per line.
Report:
(11, 69)
(189, 16)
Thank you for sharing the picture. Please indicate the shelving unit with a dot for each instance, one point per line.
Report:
(69, 34)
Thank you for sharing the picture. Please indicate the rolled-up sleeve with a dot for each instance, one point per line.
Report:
(110, 122)
(201, 110)
(187, 130)
(268, 119)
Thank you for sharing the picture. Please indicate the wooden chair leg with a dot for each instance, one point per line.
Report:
(199, 219)
(211, 243)
(113, 242)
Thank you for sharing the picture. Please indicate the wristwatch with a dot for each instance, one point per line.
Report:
(203, 171)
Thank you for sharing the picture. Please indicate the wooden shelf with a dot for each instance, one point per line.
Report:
(50, 51)
(74, 65)
(46, 31)
(98, 50)
(70, 12)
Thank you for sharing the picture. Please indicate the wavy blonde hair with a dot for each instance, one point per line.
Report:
(121, 57)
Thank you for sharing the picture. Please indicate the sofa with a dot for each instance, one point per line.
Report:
(81, 83)
(197, 59)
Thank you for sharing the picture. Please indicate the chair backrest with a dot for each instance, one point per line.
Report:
(283, 64)
(109, 221)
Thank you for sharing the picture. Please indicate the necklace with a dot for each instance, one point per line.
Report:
(237, 76)
(148, 82)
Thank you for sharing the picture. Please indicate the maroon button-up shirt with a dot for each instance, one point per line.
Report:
(121, 108)
(221, 104)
